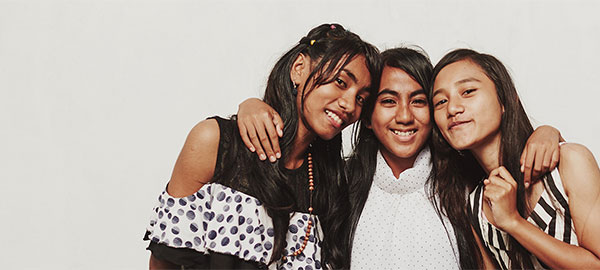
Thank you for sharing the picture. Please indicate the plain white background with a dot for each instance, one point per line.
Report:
(97, 96)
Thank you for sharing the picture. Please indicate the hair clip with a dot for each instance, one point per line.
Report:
(312, 41)
(332, 26)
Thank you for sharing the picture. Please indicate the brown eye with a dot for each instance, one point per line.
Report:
(420, 101)
(469, 91)
(360, 99)
(387, 101)
(340, 82)
(441, 102)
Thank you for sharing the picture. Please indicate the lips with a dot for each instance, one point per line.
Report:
(455, 124)
(336, 118)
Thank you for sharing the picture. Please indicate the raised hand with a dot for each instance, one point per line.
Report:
(500, 192)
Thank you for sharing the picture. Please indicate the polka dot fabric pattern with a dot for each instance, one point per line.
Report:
(399, 227)
(220, 219)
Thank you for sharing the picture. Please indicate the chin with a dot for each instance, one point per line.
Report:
(405, 152)
(327, 136)
(460, 146)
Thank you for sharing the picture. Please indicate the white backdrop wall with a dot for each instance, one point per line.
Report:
(96, 97)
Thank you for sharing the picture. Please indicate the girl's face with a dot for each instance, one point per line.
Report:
(466, 108)
(400, 118)
(331, 107)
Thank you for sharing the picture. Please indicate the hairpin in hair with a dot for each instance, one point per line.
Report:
(312, 41)
(332, 26)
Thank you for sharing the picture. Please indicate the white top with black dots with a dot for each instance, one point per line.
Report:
(399, 227)
(223, 220)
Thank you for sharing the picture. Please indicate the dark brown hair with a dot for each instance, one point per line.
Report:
(456, 172)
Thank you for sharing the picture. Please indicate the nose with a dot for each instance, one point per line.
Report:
(404, 115)
(455, 107)
(347, 102)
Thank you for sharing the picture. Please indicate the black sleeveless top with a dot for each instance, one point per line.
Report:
(225, 225)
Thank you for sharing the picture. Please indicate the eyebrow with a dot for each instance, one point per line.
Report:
(387, 91)
(350, 74)
(470, 79)
(417, 92)
(395, 93)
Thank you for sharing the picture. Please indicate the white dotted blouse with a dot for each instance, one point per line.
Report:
(399, 227)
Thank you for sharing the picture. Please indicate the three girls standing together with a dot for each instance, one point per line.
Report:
(440, 176)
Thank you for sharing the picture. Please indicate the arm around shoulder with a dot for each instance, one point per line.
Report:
(581, 179)
(196, 163)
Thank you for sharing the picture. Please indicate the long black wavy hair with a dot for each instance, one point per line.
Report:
(332, 47)
(361, 164)
(456, 172)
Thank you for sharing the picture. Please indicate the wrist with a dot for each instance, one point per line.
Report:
(511, 224)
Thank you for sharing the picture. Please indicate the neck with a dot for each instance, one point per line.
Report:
(295, 157)
(488, 153)
(398, 164)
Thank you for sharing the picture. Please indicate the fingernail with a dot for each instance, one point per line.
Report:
(262, 157)
(272, 158)
(522, 168)
(278, 155)
(279, 132)
(252, 149)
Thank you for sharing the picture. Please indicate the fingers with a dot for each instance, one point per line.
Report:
(245, 138)
(538, 163)
(278, 124)
(273, 151)
(555, 158)
(501, 181)
(522, 160)
(264, 138)
(254, 140)
(546, 164)
(492, 193)
(528, 166)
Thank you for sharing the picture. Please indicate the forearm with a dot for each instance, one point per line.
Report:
(553, 252)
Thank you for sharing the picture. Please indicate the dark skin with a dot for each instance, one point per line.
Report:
(260, 128)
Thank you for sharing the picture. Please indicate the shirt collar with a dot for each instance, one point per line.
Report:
(410, 180)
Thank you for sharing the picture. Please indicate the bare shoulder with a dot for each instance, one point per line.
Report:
(578, 168)
(195, 165)
(204, 134)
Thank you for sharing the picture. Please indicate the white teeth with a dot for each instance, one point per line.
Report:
(334, 117)
(405, 133)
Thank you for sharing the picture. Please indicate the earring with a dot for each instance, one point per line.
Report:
(294, 89)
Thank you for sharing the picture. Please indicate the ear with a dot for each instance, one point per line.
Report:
(300, 69)
(368, 125)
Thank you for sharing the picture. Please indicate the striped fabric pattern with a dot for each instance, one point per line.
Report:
(551, 214)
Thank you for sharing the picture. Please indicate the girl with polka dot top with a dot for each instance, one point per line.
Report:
(225, 208)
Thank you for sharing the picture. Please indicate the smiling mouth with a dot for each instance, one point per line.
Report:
(404, 133)
(457, 124)
(335, 118)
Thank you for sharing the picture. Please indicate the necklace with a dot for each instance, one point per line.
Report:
(311, 188)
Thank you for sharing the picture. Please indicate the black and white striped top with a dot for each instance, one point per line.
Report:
(551, 214)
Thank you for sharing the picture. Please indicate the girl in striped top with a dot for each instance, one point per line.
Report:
(552, 223)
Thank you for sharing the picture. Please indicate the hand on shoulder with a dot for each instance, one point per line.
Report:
(195, 165)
